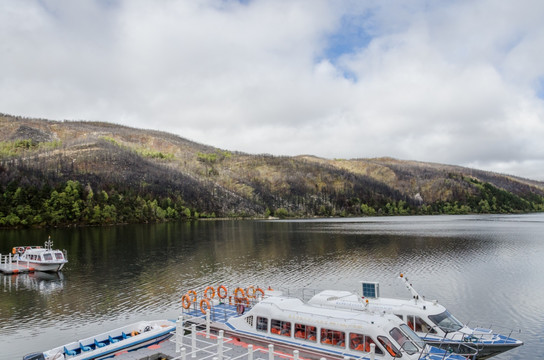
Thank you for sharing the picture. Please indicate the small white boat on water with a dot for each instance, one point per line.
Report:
(127, 338)
(430, 320)
(291, 324)
(40, 258)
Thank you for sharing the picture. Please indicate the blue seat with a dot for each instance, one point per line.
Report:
(124, 335)
(98, 344)
(84, 347)
(112, 340)
(69, 352)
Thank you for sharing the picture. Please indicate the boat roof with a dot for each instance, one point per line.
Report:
(331, 298)
(39, 250)
(279, 305)
(407, 305)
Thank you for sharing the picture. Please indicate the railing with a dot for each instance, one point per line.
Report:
(209, 346)
(6, 261)
(493, 333)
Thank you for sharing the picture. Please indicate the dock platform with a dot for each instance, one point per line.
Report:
(8, 267)
(198, 343)
(213, 348)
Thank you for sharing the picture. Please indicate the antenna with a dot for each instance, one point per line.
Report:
(49, 243)
(409, 286)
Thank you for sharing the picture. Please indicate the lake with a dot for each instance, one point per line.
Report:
(485, 269)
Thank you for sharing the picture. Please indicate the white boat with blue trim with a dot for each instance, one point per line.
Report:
(430, 320)
(291, 324)
(101, 346)
(40, 258)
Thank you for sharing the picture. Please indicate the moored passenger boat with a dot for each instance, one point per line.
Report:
(40, 258)
(292, 324)
(430, 320)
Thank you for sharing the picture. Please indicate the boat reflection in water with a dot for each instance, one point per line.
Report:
(42, 282)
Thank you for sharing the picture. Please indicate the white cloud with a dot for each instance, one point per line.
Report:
(444, 82)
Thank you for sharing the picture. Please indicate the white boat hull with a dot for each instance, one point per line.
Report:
(130, 337)
(46, 267)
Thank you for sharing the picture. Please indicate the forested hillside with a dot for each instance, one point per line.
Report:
(89, 173)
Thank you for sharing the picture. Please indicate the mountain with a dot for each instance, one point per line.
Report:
(81, 172)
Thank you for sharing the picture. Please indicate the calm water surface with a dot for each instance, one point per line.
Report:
(484, 269)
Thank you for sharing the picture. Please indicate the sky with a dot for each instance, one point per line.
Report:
(451, 82)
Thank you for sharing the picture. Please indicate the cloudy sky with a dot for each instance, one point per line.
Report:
(453, 82)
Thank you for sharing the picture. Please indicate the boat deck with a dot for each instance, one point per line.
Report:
(206, 348)
(8, 267)
(219, 313)
(14, 268)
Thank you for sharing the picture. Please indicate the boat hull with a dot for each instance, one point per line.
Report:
(46, 267)
(484, 351)
(105, 345)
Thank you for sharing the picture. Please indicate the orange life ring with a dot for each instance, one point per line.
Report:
(194, 295)
(239, 289)
(202, 302)
(225, 292)
(250, 292)
(260, 291)
(185, 301)
(241, 301)
(206, 292)
(21, 249)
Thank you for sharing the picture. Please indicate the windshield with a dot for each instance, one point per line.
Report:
(403, 341)
(412, 335)
(446, 322)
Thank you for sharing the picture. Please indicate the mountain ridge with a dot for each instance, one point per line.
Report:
(207, 181)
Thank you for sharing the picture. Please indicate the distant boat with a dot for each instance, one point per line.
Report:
(130, 337)
(40, 258)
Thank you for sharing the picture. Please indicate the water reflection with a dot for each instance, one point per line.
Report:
(41, 282)
(479, 267)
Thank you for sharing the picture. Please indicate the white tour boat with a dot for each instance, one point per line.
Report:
(430, 320)
(101, 346)
(40, 258)
(291, 324)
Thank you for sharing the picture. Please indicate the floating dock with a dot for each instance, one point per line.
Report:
(202, 345)
(8, 267)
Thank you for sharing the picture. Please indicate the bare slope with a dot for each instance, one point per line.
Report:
(156, 164)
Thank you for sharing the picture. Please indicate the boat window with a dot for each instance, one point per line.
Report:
(305, 332)
(388, 345)
(59, 256)
(280, 327)
(262, 324)
(413, 336)
(419, 325)
(400, 317)
(404, 341)
(249, 320)
(333, 337)
(47, 257)
(362, 342)
(446, 322)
